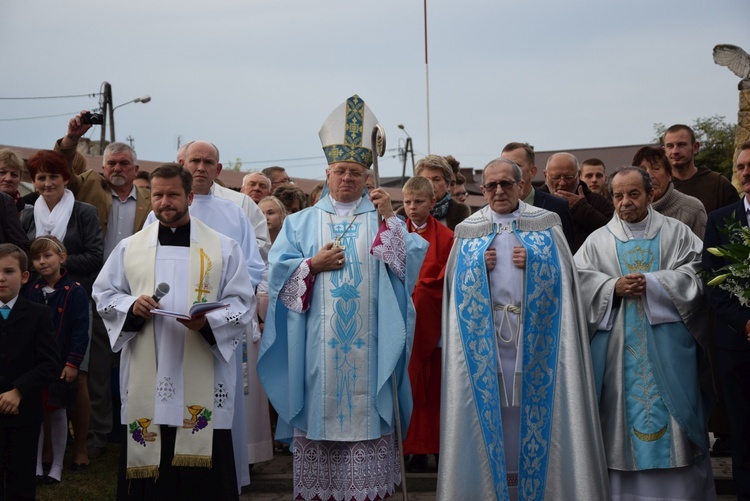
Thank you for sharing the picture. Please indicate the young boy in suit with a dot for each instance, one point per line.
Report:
(29, 360)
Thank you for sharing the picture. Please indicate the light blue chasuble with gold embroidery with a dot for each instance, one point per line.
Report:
(327, 370)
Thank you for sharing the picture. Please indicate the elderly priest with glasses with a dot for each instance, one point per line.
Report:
(518, 410)
(340, 324)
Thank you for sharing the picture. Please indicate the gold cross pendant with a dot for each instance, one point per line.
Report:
(337, 243)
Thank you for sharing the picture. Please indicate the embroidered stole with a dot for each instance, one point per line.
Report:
(540, 338)
(649, 432)
(193, 444)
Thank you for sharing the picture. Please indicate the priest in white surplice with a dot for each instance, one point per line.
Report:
(185, 420)
(229, 219)
(647, 318)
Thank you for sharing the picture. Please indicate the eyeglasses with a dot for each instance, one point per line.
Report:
(504, 184)
(352, 173)
(567, 178)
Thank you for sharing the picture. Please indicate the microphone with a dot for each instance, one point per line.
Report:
(161, 290)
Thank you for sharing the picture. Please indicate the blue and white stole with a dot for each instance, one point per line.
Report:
(540, 338)
(647, 414)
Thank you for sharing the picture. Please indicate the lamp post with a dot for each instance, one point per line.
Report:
(142, 99)
(408, 148)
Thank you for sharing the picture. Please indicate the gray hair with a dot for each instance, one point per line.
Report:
(115, 148)
(517, 174)
(567, 155)
(265, 179)
(632, 168)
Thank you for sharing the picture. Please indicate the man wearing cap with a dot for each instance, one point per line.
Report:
(340, 324)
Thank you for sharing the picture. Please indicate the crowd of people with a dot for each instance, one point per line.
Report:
(561, 342)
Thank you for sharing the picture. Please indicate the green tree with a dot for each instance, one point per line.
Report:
(236, 165)
(717, 142)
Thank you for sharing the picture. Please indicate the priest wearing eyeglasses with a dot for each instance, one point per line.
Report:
(518, 410)
(340, 324)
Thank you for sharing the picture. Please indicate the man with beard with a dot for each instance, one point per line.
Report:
(177, 377)
(122, 211)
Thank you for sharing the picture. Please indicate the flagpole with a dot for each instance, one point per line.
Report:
(427, 77)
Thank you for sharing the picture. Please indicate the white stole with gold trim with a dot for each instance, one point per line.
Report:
(193, 446)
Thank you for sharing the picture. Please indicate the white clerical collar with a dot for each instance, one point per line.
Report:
(639, 229)
(345, 208)
(506, 218)
(420, 227)
(747, 209)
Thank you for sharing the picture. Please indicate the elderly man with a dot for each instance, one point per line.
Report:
(340, 324)
(711, 188)
(667, 200)
(177, 377)
(646, 317)
(122, 211)
(589, 210)
(732, 330)
(256, 185)
(518, 409)
(201, 158)
(523, 155)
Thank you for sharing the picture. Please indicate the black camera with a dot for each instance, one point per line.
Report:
(93, 118)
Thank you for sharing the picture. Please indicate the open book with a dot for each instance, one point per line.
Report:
(197, 310)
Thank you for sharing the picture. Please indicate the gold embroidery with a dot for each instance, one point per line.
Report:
(650, 437)
(204, 287)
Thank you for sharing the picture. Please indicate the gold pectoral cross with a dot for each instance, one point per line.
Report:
(337, 243)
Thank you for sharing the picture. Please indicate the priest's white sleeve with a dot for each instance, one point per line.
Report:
(111, 294)
(229, 324)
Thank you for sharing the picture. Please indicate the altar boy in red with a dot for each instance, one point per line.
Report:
(423, 436)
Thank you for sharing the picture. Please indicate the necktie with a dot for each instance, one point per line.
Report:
(5, 311)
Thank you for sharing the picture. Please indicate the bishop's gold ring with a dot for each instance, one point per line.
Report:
(341, 261)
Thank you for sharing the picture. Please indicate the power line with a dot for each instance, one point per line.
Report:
(279, 160)
(69, 114)
(48, 97)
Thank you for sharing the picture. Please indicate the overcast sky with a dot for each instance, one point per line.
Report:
(258, 77)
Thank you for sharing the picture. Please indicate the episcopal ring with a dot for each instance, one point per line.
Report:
(341, 261)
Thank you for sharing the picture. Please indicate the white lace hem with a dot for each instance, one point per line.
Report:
(294, 289)
(392, 247)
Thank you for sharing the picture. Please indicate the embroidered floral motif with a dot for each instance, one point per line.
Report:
(295, 288)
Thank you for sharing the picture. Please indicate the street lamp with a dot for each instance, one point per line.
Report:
(142, 99)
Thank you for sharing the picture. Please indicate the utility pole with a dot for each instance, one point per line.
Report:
(106, 109)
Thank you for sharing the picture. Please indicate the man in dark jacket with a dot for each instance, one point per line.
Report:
(589, 210)
(732, 331)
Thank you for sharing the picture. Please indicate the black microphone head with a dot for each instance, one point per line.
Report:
(161, 290)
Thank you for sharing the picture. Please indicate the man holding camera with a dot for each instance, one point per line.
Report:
(122, 211)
